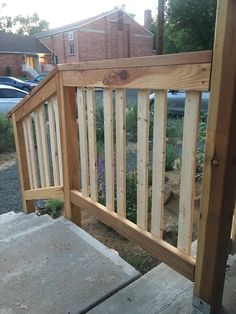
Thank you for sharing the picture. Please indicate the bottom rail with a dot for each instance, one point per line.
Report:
(44, 193)
(162, 250)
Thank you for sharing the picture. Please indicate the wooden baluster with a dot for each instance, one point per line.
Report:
(53, 141)
(83, 140)
(91, 111)
(109, 147)
(39, 148)
(158, 164)
(58, 136)
(27, 148)
(142, 158)
(23, 168)
(121, 151)
(188, 171)
(69, 144)
(233, 234)
(44, 139)
(31, 148)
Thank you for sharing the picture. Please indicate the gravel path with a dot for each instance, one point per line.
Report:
(10, 194)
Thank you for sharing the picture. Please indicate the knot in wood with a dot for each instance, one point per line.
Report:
(215, 162)
(123, 75)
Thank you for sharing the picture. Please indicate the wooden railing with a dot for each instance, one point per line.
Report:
(64, 105)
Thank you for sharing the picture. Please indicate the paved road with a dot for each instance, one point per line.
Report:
(10, 195)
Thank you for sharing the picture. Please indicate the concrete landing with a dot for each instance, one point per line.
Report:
(55, 267)
(164, 291)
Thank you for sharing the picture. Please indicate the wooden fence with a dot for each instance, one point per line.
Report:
(46, 127)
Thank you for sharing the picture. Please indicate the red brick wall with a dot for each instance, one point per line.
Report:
(14, 61)
(101, 40)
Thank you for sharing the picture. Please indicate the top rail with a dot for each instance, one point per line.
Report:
(189, 71)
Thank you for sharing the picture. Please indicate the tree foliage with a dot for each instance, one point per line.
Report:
(190, 25)
(23, 25)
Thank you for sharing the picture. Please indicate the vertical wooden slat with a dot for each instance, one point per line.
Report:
(39, 148)
(188, 171)
(44, 139)
(142, 158)
(121, 151)
(158, 163)
(109, 148)
(91, 111)
(32, 151)
(53, 141)
(83, 140)
(21, 151)
(58, 136)
(70, 156)
(27, 149)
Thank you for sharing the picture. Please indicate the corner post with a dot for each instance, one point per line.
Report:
(69, 145)
(219, 180)
(28, 205)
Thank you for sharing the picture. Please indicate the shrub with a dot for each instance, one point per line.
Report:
(6, 131)
(54, 206)
(131, 124)
(171, 156)
(8, 70)
(201, 146)
(174, 130)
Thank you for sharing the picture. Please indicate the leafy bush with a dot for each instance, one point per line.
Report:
(171, 156)
(174, 130)
(201, 146)
(8, 70)
(99, 123)
(131, 124)
(54, 206)
(6, 134)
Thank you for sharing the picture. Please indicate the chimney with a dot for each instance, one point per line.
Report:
(148, 19)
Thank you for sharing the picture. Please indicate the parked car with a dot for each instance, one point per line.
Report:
(176, 99)
(9, 97)
(14, 82)
(37, 79)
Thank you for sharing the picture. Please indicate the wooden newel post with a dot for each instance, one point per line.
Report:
(28, 205)
(219, 179)
(69, 145)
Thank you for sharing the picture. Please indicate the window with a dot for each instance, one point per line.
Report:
(71, 49)
(71, 36)
(11, 93)
(56, 59)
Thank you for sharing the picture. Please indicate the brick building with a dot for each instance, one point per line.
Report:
(21, 55)
(110, 35)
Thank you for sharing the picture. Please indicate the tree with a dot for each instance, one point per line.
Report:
(23, 25)
(28, 25)
(160, 27)
(190, 25)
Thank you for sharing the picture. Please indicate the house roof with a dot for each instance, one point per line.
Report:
(13, 43)
(81, 24)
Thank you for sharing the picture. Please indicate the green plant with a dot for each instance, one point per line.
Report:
(201, 146)
(99, 123)
(6, 134)
(171, 156)
(54, 206)
(8, 70)
(174, 130)
(131, 124)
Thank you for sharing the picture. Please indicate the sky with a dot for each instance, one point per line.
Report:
(62, 12)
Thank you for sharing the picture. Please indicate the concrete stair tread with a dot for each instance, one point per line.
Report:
(58, 268)
(22, 224)
(4, 218)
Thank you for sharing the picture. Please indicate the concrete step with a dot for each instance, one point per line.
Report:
(162, 290)
(58, 268)
(4, 218)
(22, 224)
